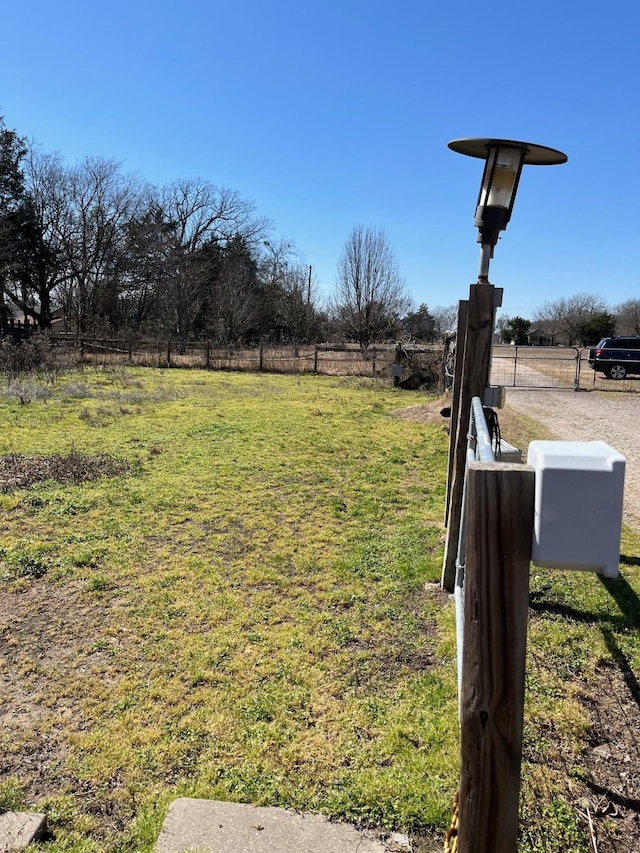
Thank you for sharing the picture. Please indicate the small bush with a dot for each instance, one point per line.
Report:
(29, 356)
(29, 392)
(421, 370)
(76, 391)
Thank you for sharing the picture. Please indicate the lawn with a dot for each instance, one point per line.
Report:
(228, 589)
(236, 609)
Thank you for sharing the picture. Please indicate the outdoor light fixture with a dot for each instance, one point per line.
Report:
(504, 159)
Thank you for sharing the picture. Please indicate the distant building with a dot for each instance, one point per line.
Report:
(14, 324)
(538, 338)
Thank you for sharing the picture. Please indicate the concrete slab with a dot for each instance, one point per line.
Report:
(209, 826)
(19, 829)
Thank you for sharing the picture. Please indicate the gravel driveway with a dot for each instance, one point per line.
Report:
(580, 416)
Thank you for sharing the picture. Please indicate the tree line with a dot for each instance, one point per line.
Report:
(582, 320)
(116, 255)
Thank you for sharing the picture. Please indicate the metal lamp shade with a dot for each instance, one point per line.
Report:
(504, 159)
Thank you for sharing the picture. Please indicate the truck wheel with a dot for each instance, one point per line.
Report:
(617, 371)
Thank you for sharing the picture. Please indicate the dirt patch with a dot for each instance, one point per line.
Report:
(20, 472)
(426, 413)
(612, 790)
(48, 650)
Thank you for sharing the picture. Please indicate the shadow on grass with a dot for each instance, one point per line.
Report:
(628, 619)
(629, 604)
(624, 595)
(613, 796)
(622, 662)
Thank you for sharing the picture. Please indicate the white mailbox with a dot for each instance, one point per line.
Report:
(578, 505)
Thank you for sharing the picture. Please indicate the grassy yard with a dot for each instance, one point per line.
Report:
(236, 609)
(241, 615)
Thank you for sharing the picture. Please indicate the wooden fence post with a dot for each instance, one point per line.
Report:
(454, 422)
(373, 362)
(207, 356)
(168, 353)
(500, 507)
(260, 366)
(315, 359)
(476, 363)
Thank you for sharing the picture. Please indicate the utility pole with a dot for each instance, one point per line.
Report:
(309, 304)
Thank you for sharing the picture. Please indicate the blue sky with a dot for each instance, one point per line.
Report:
(335, 113)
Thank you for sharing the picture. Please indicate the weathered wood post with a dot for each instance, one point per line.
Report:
(500, 511)
(315, 359)
(476, 362)
(261, 364)
(454, 423)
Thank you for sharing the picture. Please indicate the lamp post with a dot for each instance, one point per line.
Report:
(487, 556)
(504, 159)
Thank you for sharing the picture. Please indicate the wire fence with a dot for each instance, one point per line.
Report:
(559, 368)
(327, 359)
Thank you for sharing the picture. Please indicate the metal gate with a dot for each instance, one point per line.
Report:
(562, 368)
(536, 367)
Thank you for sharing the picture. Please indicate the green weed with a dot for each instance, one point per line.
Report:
(12, 795)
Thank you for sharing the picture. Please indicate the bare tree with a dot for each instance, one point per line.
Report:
(370, 292)
(290, 292)
(96, 204)
(549, 319)
(199, 214)
(445, 318)
(70, 228)
(564, 319)
(628, 317)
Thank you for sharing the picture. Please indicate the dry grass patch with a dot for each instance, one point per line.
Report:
(18, 471)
